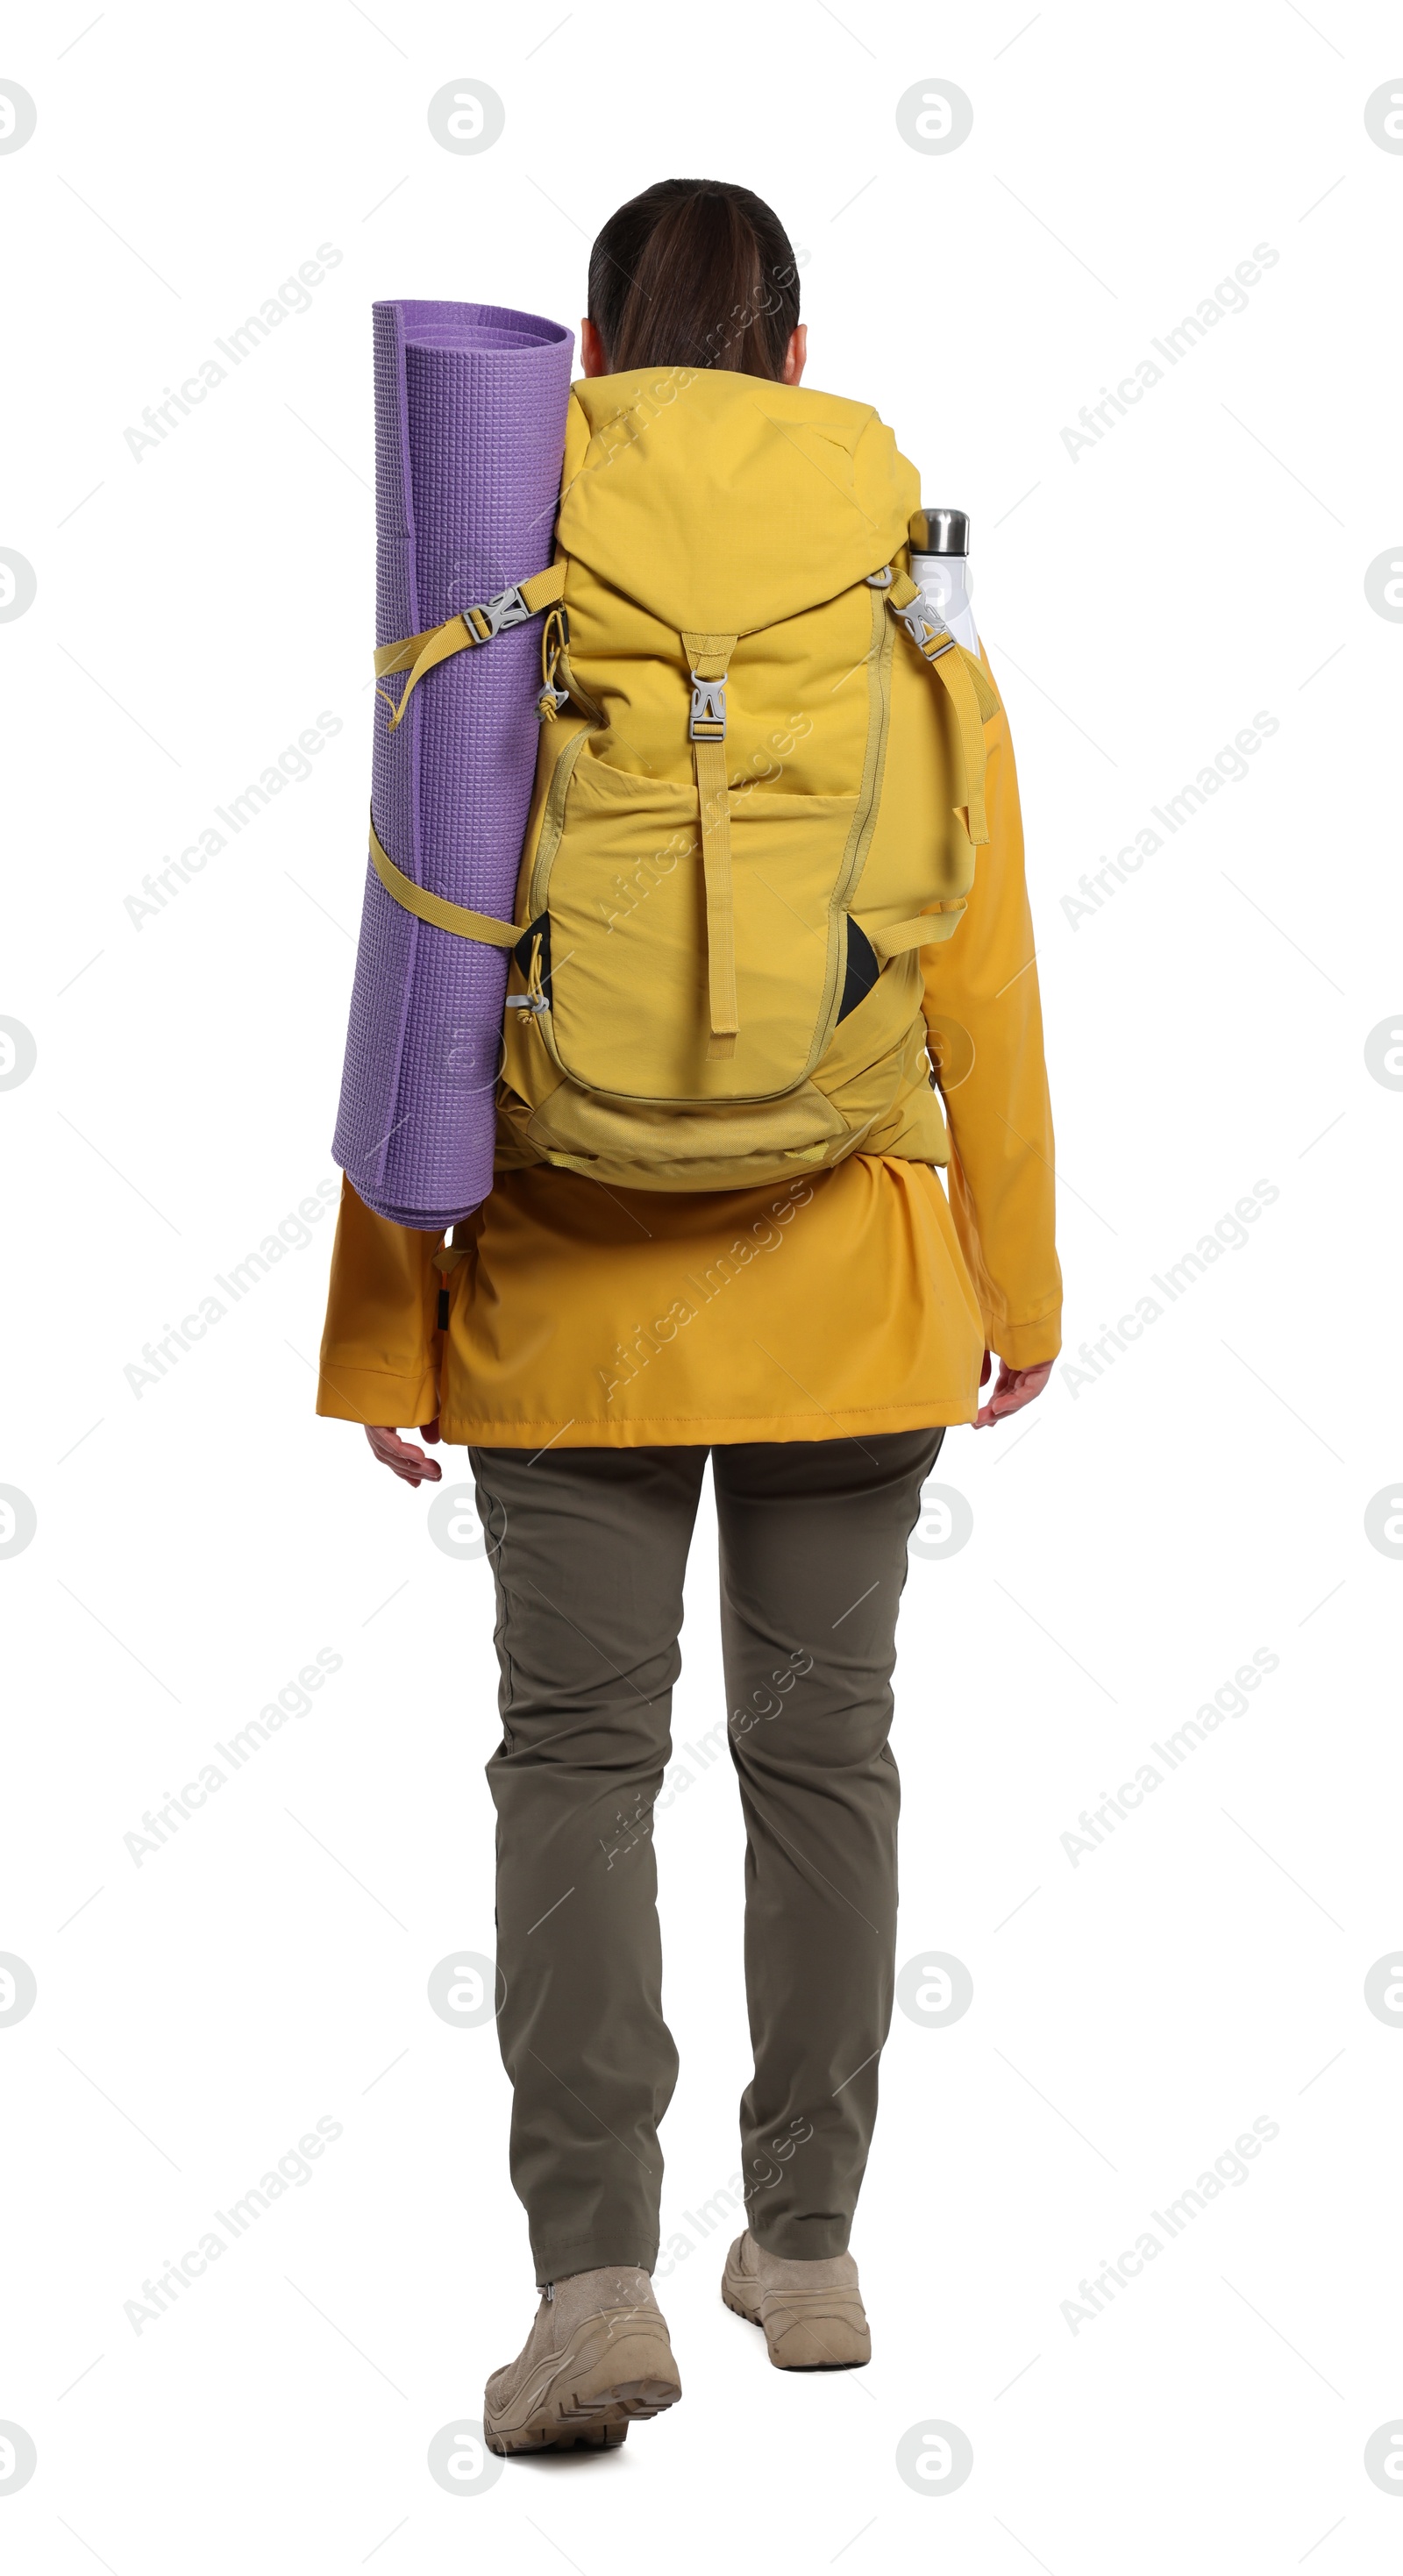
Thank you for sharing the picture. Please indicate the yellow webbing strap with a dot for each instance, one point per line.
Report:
(917, 933)
(714, 803)
(709, 658)
(420, 653)
(971, 696)
(433, 907)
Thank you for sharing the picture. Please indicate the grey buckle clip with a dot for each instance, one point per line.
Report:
(507, 609)
(929, 639)
(708, 722)
(560, 698)
(880, 579)
(526, 1002)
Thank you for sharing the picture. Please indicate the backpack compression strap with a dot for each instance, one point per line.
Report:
(708, 658)
(920, 932)
(435, 907)
(511, 607)
(974, 700)
(972, 695)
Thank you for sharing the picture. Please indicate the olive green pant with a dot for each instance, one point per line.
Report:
(588, 1548)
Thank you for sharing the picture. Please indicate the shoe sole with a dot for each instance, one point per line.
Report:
(616, 2370)
(803, 2329)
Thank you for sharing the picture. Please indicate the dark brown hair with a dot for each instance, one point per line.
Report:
(695, 272)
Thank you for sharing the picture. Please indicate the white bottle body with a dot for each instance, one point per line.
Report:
(945, 587)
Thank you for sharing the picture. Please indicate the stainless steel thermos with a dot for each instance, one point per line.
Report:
(940, 564)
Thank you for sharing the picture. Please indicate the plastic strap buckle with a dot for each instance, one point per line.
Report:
(708, 722)
(881, 579)
(929, 639)
(507, 609)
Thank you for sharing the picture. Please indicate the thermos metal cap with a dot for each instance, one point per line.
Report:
(939, 532)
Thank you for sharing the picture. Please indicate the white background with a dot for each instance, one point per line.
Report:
(1136, 1538)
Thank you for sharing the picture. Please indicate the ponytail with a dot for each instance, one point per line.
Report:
(697, 273)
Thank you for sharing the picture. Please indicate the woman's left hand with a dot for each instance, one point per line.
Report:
(1013, 1388)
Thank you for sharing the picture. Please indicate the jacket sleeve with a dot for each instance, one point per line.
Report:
(984, 1020)
(380, 1347)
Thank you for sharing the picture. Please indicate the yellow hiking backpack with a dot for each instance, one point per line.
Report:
(759, 794)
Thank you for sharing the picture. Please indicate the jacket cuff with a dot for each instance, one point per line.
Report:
(348, 1392)
(1022, 1346)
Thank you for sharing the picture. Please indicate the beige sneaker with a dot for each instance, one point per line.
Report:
(811, 2311)
(597, 2356)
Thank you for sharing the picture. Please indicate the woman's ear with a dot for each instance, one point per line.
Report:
(794, 356)
(592, 356)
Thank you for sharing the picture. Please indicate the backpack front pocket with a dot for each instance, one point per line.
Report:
(625, 891)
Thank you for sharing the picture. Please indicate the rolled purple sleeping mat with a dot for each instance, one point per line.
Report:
(470, 404)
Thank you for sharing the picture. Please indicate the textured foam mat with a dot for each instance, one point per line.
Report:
(470, 403)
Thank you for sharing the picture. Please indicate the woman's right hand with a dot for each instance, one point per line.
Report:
(402, 1458)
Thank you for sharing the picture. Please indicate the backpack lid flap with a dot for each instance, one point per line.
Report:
(729, 501)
